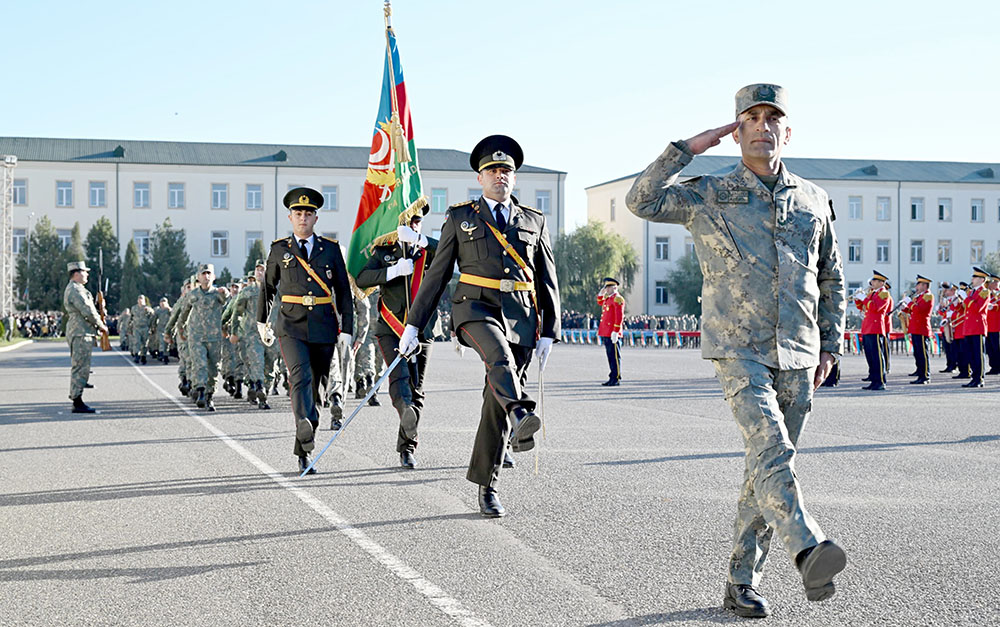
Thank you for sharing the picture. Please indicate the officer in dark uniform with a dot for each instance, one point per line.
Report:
(309, 273)
(397, 267)
(506, 303)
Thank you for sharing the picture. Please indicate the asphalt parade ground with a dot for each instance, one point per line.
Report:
(153, 512)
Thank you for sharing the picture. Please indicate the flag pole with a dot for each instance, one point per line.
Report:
(397, 134)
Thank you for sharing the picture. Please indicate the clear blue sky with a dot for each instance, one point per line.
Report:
(594, 88)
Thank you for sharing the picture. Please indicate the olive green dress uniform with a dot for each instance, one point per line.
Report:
(772, 300)
(82, 324)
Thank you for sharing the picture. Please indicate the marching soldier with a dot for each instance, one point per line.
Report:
(919, 327)
(309, 273)
(162, 315)
(81, 323)
(343, 363)
(975, 307)
(232, 371)
(364, 364)
(610, 330)
(875, 304)
(142, 318)
(173, 333)
(397, 267)
(203, 311)
(244, 328)
(773, 304)
(124, 320)
(993, 324)
(505, 304)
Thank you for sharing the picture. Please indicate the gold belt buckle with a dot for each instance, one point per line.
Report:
(308, 300)
(506, 285)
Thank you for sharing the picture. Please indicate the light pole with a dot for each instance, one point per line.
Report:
(27, 283)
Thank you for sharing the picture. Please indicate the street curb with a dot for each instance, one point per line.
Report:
(13, 346)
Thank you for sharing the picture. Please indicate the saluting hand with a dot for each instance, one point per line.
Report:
(712, 137)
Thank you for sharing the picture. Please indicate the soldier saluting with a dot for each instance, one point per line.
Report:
(315, 314)
(773, 306)
(506, 303)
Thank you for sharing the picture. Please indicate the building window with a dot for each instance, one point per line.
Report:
(854, 207)
(64, 193)
(98, 194)
(611, 210)
(944, 251)
(20, 235)
(175, 195)
(662, 297)
(20, 191)
(854, 250)
(140, 195)
(543, 201)
(944, 209)
(853, 286)
(883, 209)
(688, 246)
(663, 249)
(330, 198)
(255, 196)
(977, 213)
(474, 193)
(220, 243)
(916, 251)
(976, 250)
(917, 209)
(141, 239)
(882, 251)
(439, 200)
(252, 238)
(65, 237)
(220, 196)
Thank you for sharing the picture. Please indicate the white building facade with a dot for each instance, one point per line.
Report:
(226, 196)
(902, 218)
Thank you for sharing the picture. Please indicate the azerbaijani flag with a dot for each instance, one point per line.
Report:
(392, 182)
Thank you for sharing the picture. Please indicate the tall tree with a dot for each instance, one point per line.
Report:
(101, 243)
(256, 253)
(75, 252)
(587, 255)
(167, 264)
(44, 280)
(684, 285)
(131, 278)
(224, 278)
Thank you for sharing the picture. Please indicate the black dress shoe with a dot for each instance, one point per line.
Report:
(79, 407)
(867, 379)
(200, 399)
(336, 413)
(304, 463)
(407, 460)
(610, 383)
(90, 386)
(745, 601)
(408, 422)
(914, 374)
(489, 503)
(947, 370)
(525, 424)
(304, 434)
(818, 566)
(961, 376)
(973, 384)
(508, 459)
(520, 446)
(920, 381)
(875, 387)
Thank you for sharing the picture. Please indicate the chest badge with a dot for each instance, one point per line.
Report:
(329, 274)
(387, 258)
(287, 259)
(733, 196)
(468, 228)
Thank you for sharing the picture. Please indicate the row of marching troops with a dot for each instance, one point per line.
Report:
(970, 327)
(138, 326)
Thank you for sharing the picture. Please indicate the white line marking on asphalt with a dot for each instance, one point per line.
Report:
(434, 594)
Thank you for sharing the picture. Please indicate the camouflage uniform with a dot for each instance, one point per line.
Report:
(245, 327)
(232, 364)
(81, 324)
(344, 367)
(124, 319)
(142, 318)
(204, 334)
(772, 300)
(162, 314)
(364, 366)
(175, 327)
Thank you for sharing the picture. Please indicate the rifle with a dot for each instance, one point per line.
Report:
(99, 302)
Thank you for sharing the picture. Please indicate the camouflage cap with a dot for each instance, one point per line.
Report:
(206, 267)
(73, 266)
(761, 93)
(259, 264)
(251, 276)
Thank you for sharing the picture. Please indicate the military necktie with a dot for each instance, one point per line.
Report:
(500, 219)
(305, 251)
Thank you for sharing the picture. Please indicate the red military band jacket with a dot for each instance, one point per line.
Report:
(920, 309)
(993, 314)
(612, 312)
(957, 310)
(975, 311)
(876, 308)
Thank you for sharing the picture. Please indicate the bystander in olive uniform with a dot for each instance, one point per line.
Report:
(82, 323)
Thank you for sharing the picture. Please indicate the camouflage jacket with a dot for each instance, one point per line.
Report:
(204, 324)
(228, 310)
(245, 311)
(773, 287)
(82, 317)
(142, 318)
(160, 316)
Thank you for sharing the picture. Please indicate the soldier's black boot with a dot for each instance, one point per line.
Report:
(336, 413)
(508, 459)
(745, 601)
(185, 386)
(165, 358)
(200, 399)
(209, 405)
(489, 502)
(261, 396)
(407, 460)
(142, 360)
(239, 390)
(79, 407)
(524, 425)
(360, 389)
(373, 401)
(818, 565)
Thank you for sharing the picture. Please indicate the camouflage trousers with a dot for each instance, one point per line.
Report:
(80, 348)
(205, 358)
(182, 357)
(273, 363)
(771, 407)
(232, 366)
(252, 356)
(341, 366)
(140, 336)
(161, 344)
(364, 360)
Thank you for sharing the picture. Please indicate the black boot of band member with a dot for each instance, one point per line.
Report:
(489, 503)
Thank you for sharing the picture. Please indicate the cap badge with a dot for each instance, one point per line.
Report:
(499, 156)
(303, 200)
(764, 93)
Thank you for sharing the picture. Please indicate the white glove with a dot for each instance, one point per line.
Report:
(859, 294)
(459, 348)
(615, 336)
(409, 236)
(266, 333)
(344, 344)
(906, 301)
(403, 267)
(408, 341)
(542, 351)
(961, 294)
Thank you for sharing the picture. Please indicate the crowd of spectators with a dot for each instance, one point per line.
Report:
(576, 320)
(32, 324)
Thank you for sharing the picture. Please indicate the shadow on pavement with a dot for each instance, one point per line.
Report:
(704, 614)
(135, 575)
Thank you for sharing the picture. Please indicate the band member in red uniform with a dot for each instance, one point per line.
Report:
(875, 305)
(957, 318)
(975, 304)
(948, 344)
(610, 330)
(993, 324)
(919, 309)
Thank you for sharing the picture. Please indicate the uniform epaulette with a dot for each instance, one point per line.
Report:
(619, 299)
(328, 239)
(463, 204)
(280, 239)
(928, 296)
(531, 209)
(984, 292)
(884, 294)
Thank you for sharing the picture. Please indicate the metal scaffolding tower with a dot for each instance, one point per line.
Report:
(7, 235)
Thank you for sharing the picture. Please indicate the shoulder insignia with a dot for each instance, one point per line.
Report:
(883, 294)
(280, 239)
(463, 204)
(531, 209)
(619, 300)
(984, 293)
(928, 296)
